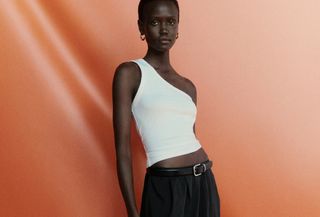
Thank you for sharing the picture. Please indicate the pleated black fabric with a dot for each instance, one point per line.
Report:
(180, 196)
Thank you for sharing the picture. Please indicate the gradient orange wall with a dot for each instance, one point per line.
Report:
(256, 65)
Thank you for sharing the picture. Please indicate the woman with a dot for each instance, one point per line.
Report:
(178, 180)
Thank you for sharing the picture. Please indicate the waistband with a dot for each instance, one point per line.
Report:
(196, 170)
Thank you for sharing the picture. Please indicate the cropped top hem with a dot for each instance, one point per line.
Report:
(154, 157)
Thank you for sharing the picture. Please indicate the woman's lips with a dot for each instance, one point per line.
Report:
(165, 41)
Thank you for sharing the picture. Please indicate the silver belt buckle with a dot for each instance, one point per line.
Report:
(194, 169)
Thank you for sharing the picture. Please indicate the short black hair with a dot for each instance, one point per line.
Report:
(143, 3)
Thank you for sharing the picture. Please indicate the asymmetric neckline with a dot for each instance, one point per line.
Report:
(168, 83)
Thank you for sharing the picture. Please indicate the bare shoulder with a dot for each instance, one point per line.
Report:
(127, 69)
(127, 74)
(191, 85)
(192, 88)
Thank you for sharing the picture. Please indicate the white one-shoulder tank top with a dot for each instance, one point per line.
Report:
(164, 116)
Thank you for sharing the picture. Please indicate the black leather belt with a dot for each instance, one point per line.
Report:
(195, 170)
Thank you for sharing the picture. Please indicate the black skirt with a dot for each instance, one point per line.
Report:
(180, 196)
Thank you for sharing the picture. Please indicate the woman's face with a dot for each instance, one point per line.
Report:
(160, 24)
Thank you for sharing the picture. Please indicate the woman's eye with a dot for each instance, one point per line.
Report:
(172, 21)
(154, 22)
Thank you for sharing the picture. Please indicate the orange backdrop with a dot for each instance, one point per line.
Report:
(256, 66)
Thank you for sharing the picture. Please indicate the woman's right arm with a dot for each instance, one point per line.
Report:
(123, 86)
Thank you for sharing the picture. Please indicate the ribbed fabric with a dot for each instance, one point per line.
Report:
(180, 196)
(164, 116)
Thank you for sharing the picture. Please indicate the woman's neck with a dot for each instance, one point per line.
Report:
(158, 58)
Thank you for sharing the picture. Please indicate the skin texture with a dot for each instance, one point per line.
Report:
(160, 21)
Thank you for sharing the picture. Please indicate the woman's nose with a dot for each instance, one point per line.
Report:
(163, 28)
